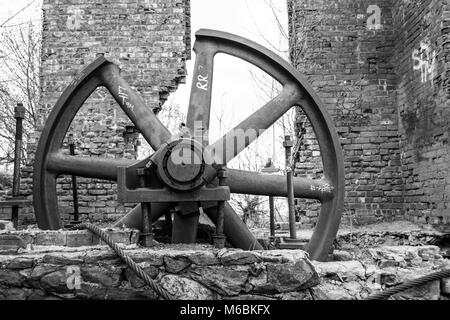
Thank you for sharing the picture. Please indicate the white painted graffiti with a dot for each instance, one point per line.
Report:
(123, 93)
(374, 20)
(74, 19)
(322, 188)
(73, 277)
(424, 60)
(202, 80)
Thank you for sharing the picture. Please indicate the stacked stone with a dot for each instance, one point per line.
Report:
(149, 40)
(188, 272)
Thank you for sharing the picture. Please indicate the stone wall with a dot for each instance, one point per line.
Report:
(36, 264)
(149, 40)
(197, 272)
(381, 69)
(422, 57)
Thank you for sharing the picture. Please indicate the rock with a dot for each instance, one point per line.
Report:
(204, 258)
(176, 264)
(137, 282)
(260, 284)
(91, 291)
(300, 295)
(62, 259)
(339, 255)
(50, 238)
(11, 243)
(154, 258)
(223, 280)
(328, 291)
(10, 278)
(17, 293)
(129, 294)
(235, 256)
(282, 256)
(343, 270)
(79, 238)
(249, 297)
(292, 276)
(107, 276)
(186, 289)
(429, 253)
(21, 263)
(41, 270)
(104, 256)
(445, 286)
(36, 294)
(354, 288)
(56, 282)
(6, 225)
(388, 278)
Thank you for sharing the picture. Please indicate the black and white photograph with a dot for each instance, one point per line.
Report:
(259, 154)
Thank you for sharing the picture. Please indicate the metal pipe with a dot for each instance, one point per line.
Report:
(287, 144)
(272, 217)
(146, 234)
(74, 183)
(19, 114)
(219, 238)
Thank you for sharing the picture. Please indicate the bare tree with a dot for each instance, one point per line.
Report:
(20, 61)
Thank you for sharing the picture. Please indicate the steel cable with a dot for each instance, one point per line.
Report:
(135, 267)
(410, 284)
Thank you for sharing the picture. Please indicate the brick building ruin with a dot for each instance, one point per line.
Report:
(382, 69)
(149, 40)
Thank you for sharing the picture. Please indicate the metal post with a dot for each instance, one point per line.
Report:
(146, 234)
(19, 114)
(219, 238)
(74, 184)
(168, 225)
(272, 217)
(270, 168)
(287, 144)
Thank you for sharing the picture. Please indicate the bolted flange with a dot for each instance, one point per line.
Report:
(181, 165)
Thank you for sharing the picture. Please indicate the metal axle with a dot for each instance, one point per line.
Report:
(287, 144)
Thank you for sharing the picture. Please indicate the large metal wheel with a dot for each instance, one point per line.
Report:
(51, 162)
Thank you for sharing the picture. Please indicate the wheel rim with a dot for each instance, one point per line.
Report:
(296, 92)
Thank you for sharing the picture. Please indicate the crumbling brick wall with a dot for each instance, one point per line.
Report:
(422, 56)
(346, 55)
(149, 40)
(381, 68)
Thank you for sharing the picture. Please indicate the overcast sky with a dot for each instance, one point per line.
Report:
(234, 90)
(235, 95)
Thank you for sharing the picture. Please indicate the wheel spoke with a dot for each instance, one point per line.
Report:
(134, 106)
(237, 139)
(89, 167)
(247, 182)
(237, 233)
(200, 100)
(133, 219)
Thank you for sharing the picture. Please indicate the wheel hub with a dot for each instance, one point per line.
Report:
(180, 165)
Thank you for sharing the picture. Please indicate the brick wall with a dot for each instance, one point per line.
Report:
(381, 67)
(348, 62)
(422, 56)
(149, 40)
